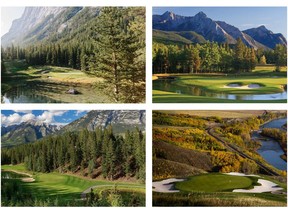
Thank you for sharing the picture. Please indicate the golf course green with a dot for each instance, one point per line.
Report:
(216, 182)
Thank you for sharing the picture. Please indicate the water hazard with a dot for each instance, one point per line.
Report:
(170, 86)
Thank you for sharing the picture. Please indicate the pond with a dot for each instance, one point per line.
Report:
(11, 175)
(170, 86)
(45, 92)
(270, 149)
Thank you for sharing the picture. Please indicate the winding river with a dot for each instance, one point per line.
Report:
(170, 86)
(270, 149)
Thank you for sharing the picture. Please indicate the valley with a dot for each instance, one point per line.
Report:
(65, 55)
(208, 148)
(98, 159)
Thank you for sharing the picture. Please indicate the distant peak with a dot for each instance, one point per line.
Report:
(168, 14)
(262, 27)
(201, 15)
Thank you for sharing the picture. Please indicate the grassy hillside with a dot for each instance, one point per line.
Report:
(219, 113)
(55, 189)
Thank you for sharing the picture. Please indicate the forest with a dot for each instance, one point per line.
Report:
(87, 153)
(111, 46)
(214, 57)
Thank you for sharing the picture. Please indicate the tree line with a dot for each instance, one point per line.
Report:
(112, 46)
(90, 153)
(214, 57)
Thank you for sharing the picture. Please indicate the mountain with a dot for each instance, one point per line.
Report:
(185, 37)
(266, 37)
(210, 30)
(26, 132)
(48, 24)
(121, 120)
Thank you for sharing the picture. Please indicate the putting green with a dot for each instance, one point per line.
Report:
(215, 182)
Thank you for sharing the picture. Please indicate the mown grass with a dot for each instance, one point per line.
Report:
(66, 188)
(270, 82)
(216, 182)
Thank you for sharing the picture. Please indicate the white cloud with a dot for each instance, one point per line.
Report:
(45, 117)
(23, 111)
(28, 117)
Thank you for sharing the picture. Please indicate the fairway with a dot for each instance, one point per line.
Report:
(215, 182)
(67, 188)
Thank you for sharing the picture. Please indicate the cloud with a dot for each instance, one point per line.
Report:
(45, 117)
(23, 111)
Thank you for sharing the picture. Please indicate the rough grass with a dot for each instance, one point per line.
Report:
(200, 160)
(215, 182)
(218, 199)
(218, 113)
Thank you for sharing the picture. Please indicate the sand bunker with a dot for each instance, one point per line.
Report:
(166, 185)
(27, 179)
(266, 186)
(238, 86)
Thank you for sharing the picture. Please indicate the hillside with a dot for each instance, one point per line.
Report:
(120, 120)
(217, 31)
(39, 24)
(26, 132)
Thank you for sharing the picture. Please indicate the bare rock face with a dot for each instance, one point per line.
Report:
(120, 120)
(46, 23)
(33, 19)
(266, 37)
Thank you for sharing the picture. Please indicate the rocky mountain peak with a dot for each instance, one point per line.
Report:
(200, 15)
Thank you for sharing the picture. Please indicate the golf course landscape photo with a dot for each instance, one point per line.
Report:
(199, 59)
(219, 158)
(73, 158)
(73, 55)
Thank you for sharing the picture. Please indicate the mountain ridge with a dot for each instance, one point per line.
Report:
(120, 120)
(211, 30)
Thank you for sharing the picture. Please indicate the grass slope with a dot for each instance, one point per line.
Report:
(66, 188)
(171, 37)
(219, 113)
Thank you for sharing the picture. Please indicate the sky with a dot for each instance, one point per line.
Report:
(274, 18)
(57, 117)
(8, 14)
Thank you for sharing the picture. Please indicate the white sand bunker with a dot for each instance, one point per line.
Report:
(266, 186)
(166, 185)
(27, 179)
(238, 86)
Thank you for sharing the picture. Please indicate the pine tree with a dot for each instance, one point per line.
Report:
(115, 57)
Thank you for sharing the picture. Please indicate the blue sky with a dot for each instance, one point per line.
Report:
(62, 117)
(274, 18)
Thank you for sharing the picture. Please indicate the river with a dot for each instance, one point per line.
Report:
(270, 149)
